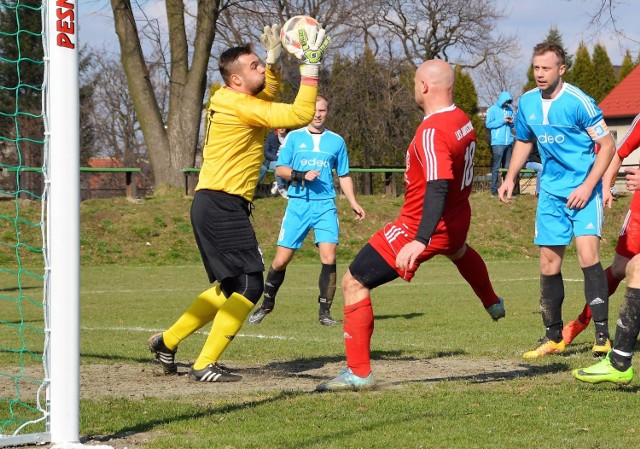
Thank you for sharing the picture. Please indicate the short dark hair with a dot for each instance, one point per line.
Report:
(322, 97)
(228, 60)
(547, 46)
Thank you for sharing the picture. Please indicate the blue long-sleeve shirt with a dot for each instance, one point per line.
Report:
(500, 129)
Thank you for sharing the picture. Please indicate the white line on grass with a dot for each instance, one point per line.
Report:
(147, 330)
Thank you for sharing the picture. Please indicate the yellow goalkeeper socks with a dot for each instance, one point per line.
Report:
(225, 326)
(201, 311)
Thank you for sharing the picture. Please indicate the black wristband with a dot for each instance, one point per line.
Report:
(298, 176)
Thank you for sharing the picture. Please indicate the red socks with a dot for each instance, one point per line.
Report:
(358, 329)
(474, 271)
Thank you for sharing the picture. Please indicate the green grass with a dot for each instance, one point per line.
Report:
(428, 322)
(434, 321)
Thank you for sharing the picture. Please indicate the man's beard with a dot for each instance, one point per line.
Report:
(256, 90)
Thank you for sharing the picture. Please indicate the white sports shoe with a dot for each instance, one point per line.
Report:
(283, 192)
(274, 188)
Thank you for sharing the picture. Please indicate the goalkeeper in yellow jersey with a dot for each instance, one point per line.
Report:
(239, 117)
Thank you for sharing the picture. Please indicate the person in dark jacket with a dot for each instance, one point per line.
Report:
(271, 150)
(535, 163)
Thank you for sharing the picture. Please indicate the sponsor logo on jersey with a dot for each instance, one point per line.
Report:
(314, 163)
(466, 129)
(549, 138)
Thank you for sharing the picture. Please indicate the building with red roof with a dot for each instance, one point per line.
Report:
(620, 107)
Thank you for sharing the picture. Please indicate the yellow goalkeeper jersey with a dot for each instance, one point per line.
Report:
(236, 129)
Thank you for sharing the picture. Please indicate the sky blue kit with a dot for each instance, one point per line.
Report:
(565, 129)
(312, 205)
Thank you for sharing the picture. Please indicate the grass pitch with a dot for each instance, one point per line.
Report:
(448, 376)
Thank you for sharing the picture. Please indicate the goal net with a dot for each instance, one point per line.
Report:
(39, 222)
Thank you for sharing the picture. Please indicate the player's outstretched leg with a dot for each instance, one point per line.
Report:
(225, 326)
(203, 309)
(165, 356)
(575, 327)
(274, 280)
(473, 269)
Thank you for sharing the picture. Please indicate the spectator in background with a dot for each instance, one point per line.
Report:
(272, 146)
(535, 163)
(499, 121)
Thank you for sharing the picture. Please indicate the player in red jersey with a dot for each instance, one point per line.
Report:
(434, 220)
(629, 240)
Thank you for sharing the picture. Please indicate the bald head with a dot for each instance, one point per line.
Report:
(434, 85)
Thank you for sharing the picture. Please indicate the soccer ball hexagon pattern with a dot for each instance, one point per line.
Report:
(290, 37)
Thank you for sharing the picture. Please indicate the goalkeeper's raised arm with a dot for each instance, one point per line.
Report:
(239, 116)
(312, 54)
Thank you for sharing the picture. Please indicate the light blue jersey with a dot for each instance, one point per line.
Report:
(304, 151)
(565, 129)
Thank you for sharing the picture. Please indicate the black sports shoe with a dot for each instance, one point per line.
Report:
(257, 316)
(325, 319)
(214, 372)
(164, 355)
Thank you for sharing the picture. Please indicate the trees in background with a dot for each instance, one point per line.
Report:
(553, 35)
(154, 95)
(171, 135)
(462, 32)
(626, 67)
(594, 74)
(377, 118)
(582, 74)
(604, 75)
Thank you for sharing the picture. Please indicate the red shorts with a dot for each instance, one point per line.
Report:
(629, 239)
(449, 237)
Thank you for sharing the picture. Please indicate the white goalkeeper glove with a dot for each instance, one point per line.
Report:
(312, 53)
(270, 39)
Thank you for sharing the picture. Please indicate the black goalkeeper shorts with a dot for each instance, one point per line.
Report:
(224, 235)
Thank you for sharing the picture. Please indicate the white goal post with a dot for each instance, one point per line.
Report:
(62, 181)
(58, 395)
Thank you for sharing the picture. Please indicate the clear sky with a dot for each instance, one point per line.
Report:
(528, 20)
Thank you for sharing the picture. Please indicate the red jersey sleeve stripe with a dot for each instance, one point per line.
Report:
(429, 149)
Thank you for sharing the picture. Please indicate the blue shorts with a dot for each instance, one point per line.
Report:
(556, 224)
(302, 215)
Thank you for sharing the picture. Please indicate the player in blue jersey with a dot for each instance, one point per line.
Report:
(566, 124)
(308, 157)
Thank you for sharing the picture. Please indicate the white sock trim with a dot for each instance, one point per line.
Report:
(624, 354)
